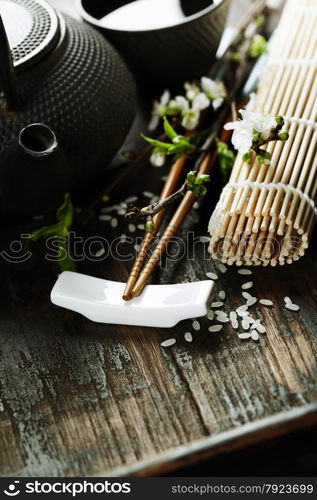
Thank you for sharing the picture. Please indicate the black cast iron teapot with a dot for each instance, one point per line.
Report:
(66, 104)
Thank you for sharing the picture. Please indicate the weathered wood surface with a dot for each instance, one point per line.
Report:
(79, 398)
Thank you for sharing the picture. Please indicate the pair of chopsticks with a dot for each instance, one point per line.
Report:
(139, 275)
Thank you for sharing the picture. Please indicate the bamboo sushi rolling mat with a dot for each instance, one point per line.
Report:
(266, 213)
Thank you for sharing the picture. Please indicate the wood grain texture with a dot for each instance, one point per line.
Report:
(80, 399)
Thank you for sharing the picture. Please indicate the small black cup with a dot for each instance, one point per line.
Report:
(170, 55)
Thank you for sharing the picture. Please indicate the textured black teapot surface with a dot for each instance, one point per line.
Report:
(66, 104)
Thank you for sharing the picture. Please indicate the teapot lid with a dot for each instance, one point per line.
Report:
(32, 28)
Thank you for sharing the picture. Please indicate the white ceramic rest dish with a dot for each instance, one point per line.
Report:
(158, 305)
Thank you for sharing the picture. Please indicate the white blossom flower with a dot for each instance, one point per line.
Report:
(214, 90)
(191, 113)
(159, 109)
(243, 130)
(192, 90)
(158, 157)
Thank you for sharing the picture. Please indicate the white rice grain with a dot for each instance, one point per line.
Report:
(100, 252)
(234, 320)
(252, 301)
(210, 315)
(204, 239)
(292, 307)
(266, 302)
(196, 325)
(214, 305)
(212, 276)
(245, 272)
(104, 217)
(222, 268)
(245, 324)
(188, 337)
(222, 295)
(287, 300)
(215, 328)
(131, 199)
(132, 228)
(242, 309)
(259, 327)
(244, 336)
(168, 343)
(254, 335)
(247, 296)
(148, 194)
(114, 222)
(247, 285)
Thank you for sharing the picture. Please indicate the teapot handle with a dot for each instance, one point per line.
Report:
(7, 73)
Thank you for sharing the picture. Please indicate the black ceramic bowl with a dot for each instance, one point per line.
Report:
(181, 50)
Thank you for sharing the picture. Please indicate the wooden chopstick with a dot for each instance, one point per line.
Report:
(169, 187)
(175, 223)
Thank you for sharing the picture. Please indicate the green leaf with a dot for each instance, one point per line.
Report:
(65, 212)
(149, 226)
(247, 157)
(203, 178)
(169, 131)
(66, 263)
(283, 135)
(46, 232)
(158, 144)
(258, 46)
(279, 120)
(226, 159)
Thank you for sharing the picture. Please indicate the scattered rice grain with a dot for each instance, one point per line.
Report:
(254, 335)
(247, 285)
(196, 325)
(210, 315)
(222, 295)
(216, 304)
(104, 217)
(132, 228)
(148, 194)
(247, 296)
(244, 336)
(266, 302)
(204, 239)
(222, 318)
(292, 307)
(215, 328)
(245, 324)
(168, 343)
(131, 199)
(141, 226)
(245, 272)
(259, 327)
(212, 276)
(100, 252)
(234, 320)
(222, 268)
(114, 222)
(242, 308)
(188, 337)
(287, 300)
(252, 301)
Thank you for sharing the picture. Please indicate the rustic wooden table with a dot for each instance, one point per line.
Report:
(80, 399)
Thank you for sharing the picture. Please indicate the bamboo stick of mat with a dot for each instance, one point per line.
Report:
(173, 226)
(169, 187)
(268, 224)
